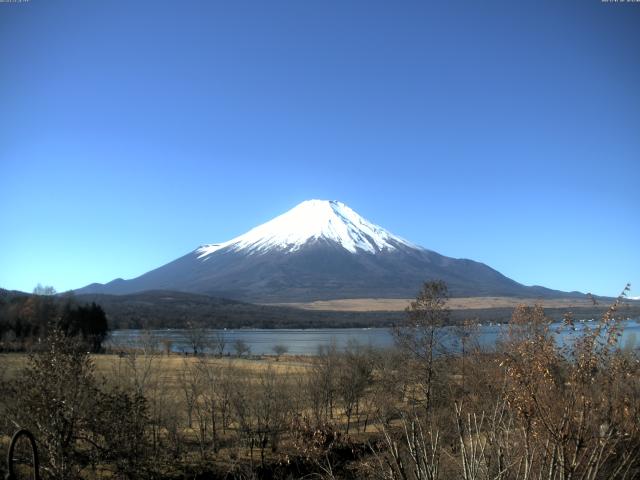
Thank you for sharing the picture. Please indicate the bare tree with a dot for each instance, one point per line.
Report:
(46, 290)
(322, 383)
(262, 411)
(196, 336)
(413, 454)
(354, 376)
(189, 381)
(212, 400)
(219, 342)
(241, 347)
(280, 350)
(466, 334)
(420, 334)
(167, 344)
(136, 367)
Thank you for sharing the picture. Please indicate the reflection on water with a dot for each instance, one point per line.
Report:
(307, 341)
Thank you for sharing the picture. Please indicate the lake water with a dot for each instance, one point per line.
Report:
(307, 341)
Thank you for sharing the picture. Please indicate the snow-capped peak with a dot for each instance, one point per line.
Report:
(313, 220)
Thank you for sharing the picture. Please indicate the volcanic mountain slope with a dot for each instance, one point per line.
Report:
(319, 250)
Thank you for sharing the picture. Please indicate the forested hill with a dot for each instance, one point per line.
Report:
(167, 309)
(163, 309)
(27, 318)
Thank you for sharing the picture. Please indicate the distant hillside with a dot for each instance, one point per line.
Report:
(7, 294)
(166, 309)
(163, 309)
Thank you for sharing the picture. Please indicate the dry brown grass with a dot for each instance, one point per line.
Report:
(173, 364)
(399, 304)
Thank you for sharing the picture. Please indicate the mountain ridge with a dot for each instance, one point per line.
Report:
(319, 250)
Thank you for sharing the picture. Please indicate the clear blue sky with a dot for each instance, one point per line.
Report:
(503, 131)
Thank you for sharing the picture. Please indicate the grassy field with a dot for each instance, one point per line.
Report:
(399, 304)
(171, 366)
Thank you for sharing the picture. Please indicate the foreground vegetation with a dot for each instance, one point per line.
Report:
(529, 409)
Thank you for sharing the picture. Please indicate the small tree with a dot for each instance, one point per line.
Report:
(55, 396)
(241, 347)
(419, 335)
(322, 383)
(280, 350)
(167, 344)
(219, 342)
(354, 376)
(466, 335)
(46, 290)
(119, 430)
(196, 336)
(261, 411)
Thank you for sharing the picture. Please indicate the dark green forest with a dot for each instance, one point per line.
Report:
(25, 319)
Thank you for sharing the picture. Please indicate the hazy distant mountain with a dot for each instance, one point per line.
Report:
(316, 251)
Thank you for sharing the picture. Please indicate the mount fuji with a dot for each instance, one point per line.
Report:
(319, 250)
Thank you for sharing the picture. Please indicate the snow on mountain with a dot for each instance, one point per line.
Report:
(313, 220)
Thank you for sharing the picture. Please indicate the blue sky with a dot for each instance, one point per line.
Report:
(506, 132)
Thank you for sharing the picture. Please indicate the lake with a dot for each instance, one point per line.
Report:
(307, 341)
